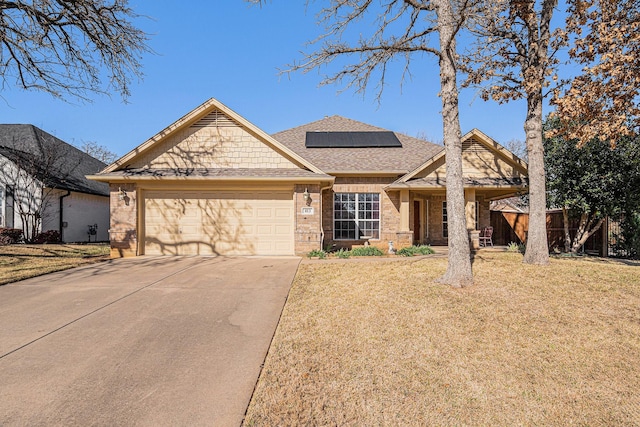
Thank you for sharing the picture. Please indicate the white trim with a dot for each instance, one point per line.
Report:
(356, 220)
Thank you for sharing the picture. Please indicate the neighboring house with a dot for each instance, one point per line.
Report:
(213, 183)
(43, 186)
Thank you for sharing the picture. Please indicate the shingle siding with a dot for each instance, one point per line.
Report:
(213, 147)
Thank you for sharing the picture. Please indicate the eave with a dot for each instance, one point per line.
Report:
(120, 178)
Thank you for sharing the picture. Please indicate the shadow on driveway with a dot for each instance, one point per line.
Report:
(142, 341)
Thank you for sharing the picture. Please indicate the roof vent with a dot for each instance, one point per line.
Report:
(352, 139)
(217, 119)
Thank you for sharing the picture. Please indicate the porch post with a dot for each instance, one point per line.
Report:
(470, 214)
(404, 210)
(470, 207)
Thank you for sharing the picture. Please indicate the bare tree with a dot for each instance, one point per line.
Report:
(398, 29)
(514, 51)
(603, 101)
(99, 152)
(69, 47)
(36, 178)
(517, 147)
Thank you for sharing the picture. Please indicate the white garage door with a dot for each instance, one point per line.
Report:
(218, 223)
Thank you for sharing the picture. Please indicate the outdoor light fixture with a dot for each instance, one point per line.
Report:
(122, 194)
(306, 196)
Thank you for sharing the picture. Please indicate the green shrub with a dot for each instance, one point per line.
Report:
(515, 247)
(317, 253)
(366, 251)
(416, 250)
(343, 253)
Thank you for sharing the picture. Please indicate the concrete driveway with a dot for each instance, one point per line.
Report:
(144, 341)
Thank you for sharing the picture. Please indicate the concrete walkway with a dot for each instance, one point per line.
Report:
(145, 341)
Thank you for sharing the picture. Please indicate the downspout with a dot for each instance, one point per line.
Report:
(321, 222)
(61, 217)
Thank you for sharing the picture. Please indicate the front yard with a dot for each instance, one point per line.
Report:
(18, 262)
(363, 343)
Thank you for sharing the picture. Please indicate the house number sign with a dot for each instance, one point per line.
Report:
(307, 211)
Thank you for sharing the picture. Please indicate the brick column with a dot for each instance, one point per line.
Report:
(124, 219)
(307, 219)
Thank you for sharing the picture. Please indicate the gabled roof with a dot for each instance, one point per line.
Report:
(54, 162)
(478, 136)
(191, 118)
(360, 161)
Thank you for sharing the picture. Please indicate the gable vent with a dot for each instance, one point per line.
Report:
(216, 119)
(471, 145)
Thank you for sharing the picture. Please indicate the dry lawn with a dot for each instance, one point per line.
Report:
(381, 344)
(18, 262)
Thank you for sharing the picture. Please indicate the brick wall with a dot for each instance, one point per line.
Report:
(307, 225)
(435, 217)
(124, 213)
(435, 220)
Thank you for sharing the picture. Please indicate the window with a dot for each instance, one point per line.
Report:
(356, 216)
(445, 226)
(7, 210)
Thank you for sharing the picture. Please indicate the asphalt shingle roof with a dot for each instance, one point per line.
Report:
(469, 182)
(216, 173)
(412, 154)
(53, 161)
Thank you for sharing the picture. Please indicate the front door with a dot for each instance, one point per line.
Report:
(416, 221)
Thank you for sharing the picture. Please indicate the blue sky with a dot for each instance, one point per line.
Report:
(232, 51)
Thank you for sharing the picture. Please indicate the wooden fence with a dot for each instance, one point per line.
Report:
(513, 227)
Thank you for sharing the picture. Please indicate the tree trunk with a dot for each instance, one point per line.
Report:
(567, 235)
(584, 232)
(537, 251)
(459, 271)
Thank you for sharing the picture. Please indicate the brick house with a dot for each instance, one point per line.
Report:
(214, 183)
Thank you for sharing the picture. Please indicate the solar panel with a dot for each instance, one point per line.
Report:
(351, 139)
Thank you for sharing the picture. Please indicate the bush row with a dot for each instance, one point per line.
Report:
(372, 251)
(11, 236)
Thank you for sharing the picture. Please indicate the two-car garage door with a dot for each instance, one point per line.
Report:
(218, 223)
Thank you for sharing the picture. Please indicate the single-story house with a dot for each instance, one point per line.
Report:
(214, 183)
(43, 186)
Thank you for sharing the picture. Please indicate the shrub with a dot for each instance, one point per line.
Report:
(49, 236)
(630, 242)
(416, 250)
(10, 236)
(343, 253)
(515, 247)
(317, 253)
(366, 251)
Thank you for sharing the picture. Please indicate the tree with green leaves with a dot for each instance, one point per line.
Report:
(591, 181)
(515, 57)
(69, 48)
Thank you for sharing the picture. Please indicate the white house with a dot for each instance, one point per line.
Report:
(43, 186)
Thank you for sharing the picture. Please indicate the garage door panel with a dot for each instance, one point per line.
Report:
(221, 222)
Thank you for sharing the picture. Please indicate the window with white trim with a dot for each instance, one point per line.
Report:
(445, 225)
(356, 216)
